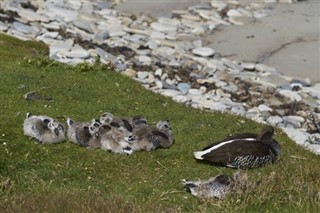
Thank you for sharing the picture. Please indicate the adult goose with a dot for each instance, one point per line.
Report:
(243, 151)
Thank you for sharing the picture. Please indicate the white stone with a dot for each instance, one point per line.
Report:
(144, 59)
(264, 108)
(295, 118)
(61, 46)
(77, 52)
(170, 92)
(25, 28)
(297, 135)
(195, 92)
(293, 96)
(142, 74)
(238, 110)
(219, 5)
(274, 120)
(234, 12)
(219, 107)
(203, 51)
(157, 35)
(30, 15)
(265, 68)
(164, 52)
(163, 27)
(248, 66)
(180, 98)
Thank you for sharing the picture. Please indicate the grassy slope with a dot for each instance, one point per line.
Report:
(68, 178)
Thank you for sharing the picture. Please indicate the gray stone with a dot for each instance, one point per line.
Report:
(219, 107)
(84, 25)
(163, 27)
(61, 46)
(248, 66)
(25, 28)
(265, 68)
(100, 37)
(184, 87)
(3, 26)
(181, 98)
(263, 108)
(293, 96)
(203, 51)
(274, 120)
(142, 74)
(77, 52)
(238, 110)
(144, 59)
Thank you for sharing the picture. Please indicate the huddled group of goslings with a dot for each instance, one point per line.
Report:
(110, 133)
(127, 135)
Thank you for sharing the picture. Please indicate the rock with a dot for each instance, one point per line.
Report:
(130, 73)
(238, 110)
(142, 75)
(294, 121)
(263, 108)
(164, 52)
(219, 107)
(195, 92)
(83, 25)
(203, 51)
(55, 11)
(265, 68)
(145, 59)
(163, 27)
(170, 92)
(248, 66)
(77, 52)
(180, 98)
(157, 35)
(30, 16)
(3, 27)
(100, 37)
(297, 135)
(26, 29)
(184, 87)
(274, 120)
(293, 96)
(61, 46)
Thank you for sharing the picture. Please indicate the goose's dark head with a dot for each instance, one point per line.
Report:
(266, 134)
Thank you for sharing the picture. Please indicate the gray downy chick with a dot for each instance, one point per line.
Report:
(148, 138)
(84, 133)
(115, 139)
(44, 129)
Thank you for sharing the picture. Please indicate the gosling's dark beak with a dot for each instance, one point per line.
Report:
(56, 131)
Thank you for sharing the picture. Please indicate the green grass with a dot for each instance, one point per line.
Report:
(67, 178)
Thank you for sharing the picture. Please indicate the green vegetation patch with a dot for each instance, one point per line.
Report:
(68, 178)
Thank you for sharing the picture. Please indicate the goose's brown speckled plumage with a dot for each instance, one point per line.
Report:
(243, 151)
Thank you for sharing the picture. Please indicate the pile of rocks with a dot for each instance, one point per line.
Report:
(167, 56)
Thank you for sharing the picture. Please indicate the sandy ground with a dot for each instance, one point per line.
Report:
(288, 39)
